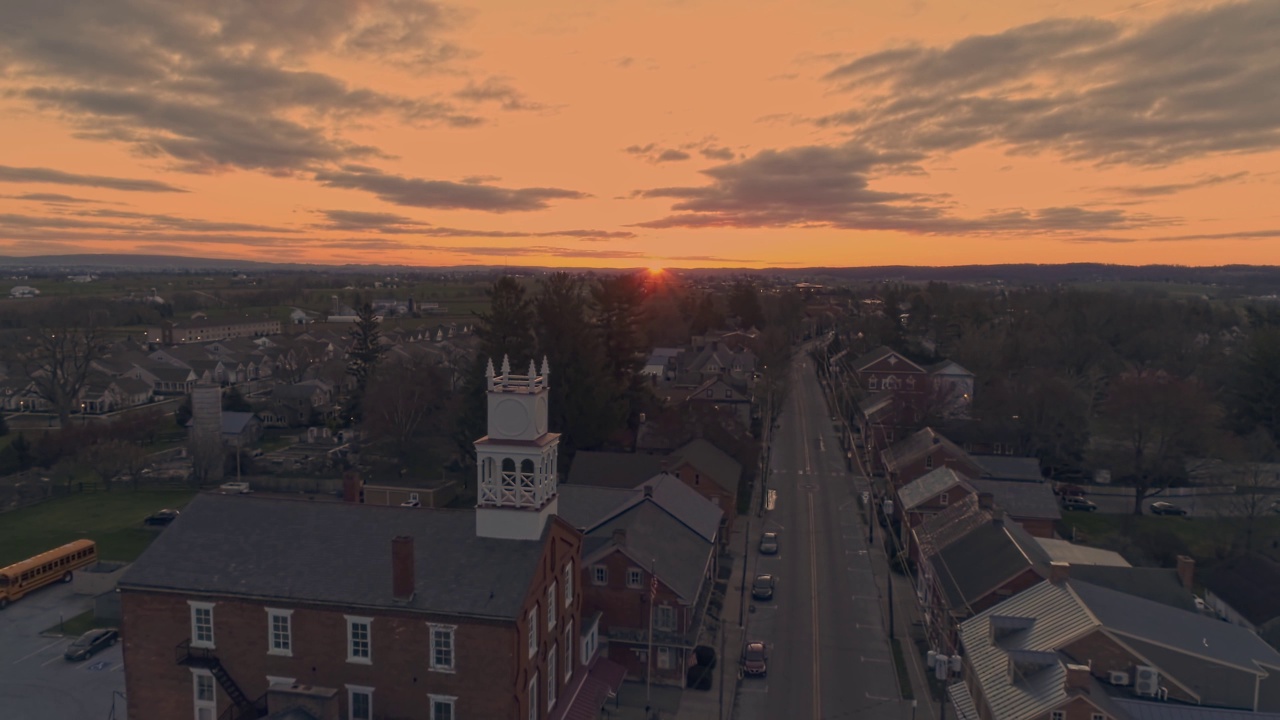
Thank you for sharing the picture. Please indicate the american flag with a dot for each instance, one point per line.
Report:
(653, 587)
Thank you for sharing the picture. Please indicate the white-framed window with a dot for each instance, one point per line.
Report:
(568, 649)
(359, 702)
(943, 499)
(664, 658)
(665, 618)
(928, 461)
(871, 383)
(552, 678)
(600, 574)
(568, 584)
(533, 631)
(635, 577)
(279, 632)
(201, 624)
(204, 694)
(1058, 715)
(359, 640)
(551, 606)
(442, 706)
(442, 637)
(533, 697)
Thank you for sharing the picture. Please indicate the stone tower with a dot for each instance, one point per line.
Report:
(516, 461)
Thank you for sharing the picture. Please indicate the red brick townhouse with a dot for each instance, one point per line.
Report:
(249, 607)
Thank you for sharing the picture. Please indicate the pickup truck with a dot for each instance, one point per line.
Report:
(235, 488)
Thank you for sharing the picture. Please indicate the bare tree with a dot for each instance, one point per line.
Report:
(401, 398)
(58, 358)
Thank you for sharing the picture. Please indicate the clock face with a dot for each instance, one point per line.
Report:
(511, 418)
(540, 416)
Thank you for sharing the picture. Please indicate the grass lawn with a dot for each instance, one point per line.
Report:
(1149, 539)
(112, 519)
(80, 624)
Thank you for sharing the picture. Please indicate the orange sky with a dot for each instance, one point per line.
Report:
(623, 133)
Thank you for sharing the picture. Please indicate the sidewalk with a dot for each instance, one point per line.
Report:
(717, 703)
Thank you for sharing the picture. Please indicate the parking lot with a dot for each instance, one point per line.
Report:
(36, 683)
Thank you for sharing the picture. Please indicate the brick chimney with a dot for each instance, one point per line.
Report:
(620, 537)
(402, 582)
(352, 487)
(1059, 572)
(1077, 678)
(985, 500)
(1187, 571)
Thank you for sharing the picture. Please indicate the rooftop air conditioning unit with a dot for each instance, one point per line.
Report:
(1146, 680)
(1118, 677)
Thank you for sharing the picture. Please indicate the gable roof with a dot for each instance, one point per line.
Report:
(710, 460)
(169, 373)
(234, 423)
(1153, 710)
(584, 506)
(986, 557)
(1155, 584)
(916, 445)
(657, 541)
(289, 550)
(1031, 501)
(1176, 629)
(612, 469)
(1250, 584)
(1080, 556)
(700, 392)
(947, 367)
(1009, 467)
(959, 519)
(929, 485)
(878, 354)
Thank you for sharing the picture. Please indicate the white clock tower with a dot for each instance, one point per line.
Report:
(516, 461)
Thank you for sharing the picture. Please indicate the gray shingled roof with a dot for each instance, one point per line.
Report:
(686, 504)
(916, 445)
(287, 550)
(711, 460)
(1021, 499)
(677, 554)
(1009, 467)
(1081, 556)
(1152, 710)
(1172, 628)
(1156, 584)
(613, 469)
(928, 485)
(944, 528)
(583, 506)
(982, 560)
(1250, 584)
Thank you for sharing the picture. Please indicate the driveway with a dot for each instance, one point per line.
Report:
(36, 683)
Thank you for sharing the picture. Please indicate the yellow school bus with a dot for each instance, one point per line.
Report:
(21, 578)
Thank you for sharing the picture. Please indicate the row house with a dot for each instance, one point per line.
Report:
(1033, 506)
(362, 612)
(165, 379)
(922, 452)
(1066, 649)
(102, 394)
(206, 330)
(649, 562)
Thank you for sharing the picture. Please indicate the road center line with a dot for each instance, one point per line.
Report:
(813, 596)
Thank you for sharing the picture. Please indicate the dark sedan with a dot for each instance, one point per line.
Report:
(1167, 508)
(1078, 503)
(161, 517)
(762, 588)
(90, 643)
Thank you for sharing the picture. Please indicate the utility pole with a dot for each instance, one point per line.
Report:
(648, 666)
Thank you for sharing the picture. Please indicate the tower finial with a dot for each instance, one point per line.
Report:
(506, 368)
(546, 372)
(488, 374)
(533, 374)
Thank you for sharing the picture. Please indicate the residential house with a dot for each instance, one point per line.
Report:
(720, 394)
(1072, 650)
(240, 429)
(1031, 505)
(661, 364)
(649, 560)
(298, 405)
(206, 330)
(952, 389)
(165, 379)
(923, 451)
(926, 496)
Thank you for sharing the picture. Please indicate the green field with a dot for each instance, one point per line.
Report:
(113, 520)
(1151, 540)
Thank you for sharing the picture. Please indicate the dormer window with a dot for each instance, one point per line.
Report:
(871, 383)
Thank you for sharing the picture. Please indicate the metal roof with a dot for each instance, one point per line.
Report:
(929, 485)
(1022, 499)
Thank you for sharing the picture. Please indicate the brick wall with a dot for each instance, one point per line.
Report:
(623, 607)
(710, 489)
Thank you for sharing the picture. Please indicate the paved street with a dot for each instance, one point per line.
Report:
(36, 683)
(829, 657)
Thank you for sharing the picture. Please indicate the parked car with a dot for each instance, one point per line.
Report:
(235, 488)
(90, 643)
(1069, 490)
(754, 657)
(161, 517)
(762, 587)
(1167, 508)
(1071, 502)
(769, 543)
(411, 503)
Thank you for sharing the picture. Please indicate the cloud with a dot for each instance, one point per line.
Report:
(655, 153)
(672, 155)
(712, 152)
(132, 221)
(1191, 84)
(226, 84)
(51, 199)
(1238, 235)
(1174, 188)
(495, 89)
(393, 224)
(444, 194)
(829, 187)
(58, 177)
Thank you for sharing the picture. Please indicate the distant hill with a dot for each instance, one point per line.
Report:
(1255, 278)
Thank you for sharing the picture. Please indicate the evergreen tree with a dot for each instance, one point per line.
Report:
(363, 356)
(744, 304)
(619, 303)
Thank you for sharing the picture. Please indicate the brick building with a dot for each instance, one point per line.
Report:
(248, 607)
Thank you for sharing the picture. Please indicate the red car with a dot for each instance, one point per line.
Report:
(754, 655)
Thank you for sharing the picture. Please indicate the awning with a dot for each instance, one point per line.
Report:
(586, 697)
